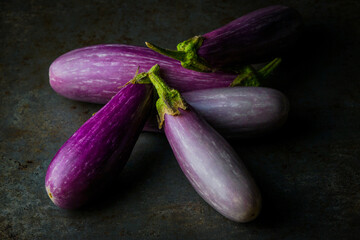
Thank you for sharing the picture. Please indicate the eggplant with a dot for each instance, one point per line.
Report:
(94, 74)
(212, 166)
(207, 160)
(237, 112)
(253, 38)
(99, 149)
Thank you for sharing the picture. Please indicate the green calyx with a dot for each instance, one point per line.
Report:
(169, 100)
(186, 53)
(250, 77)
(139, 78)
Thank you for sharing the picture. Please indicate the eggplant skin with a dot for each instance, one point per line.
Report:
(237, 112)
(253, 38)
(241, 111)
(99, 149)
(95, 73)
(212, 167)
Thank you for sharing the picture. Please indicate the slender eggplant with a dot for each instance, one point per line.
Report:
(207, 160)
(237, 111)
(99, 149)
(93, 74)
(212, 166)
(253, 38)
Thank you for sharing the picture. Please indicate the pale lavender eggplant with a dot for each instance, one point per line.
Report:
(207, 160)
(99, 149)
(93, 74)
(238, 111)
(253, 38)
(212, 166)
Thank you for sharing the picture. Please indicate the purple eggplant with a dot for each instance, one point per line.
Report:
(238, 111)
(99, 149)
(253, 38)
(93, 74)
(207, 160)
(212, 166)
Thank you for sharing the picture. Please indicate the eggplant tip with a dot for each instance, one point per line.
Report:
(49, 193)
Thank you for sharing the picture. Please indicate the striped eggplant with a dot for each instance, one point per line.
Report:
(212, 166)
(99, 149)
(207, 160)
(238, 111)
(253, 38)
(93, 74)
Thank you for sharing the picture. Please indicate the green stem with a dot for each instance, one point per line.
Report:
(169, 100)
(186, 53)
(177, 55)
(249, 77)
(269, 68)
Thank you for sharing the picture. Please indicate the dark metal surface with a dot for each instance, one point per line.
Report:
(308, 171)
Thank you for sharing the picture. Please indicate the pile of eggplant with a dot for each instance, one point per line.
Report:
(204, 91)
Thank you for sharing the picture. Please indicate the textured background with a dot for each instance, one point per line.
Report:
(308, 171)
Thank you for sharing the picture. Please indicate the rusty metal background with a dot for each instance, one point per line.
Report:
(308, 171)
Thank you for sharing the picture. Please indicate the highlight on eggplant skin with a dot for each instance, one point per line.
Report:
(237, 112)
(95, 73)
(99, 149)
(212, 167)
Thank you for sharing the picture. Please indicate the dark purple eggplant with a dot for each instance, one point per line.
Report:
(99, 149)
(256, 37)
(207, 160)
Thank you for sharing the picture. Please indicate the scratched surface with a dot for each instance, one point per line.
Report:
(308, 172)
